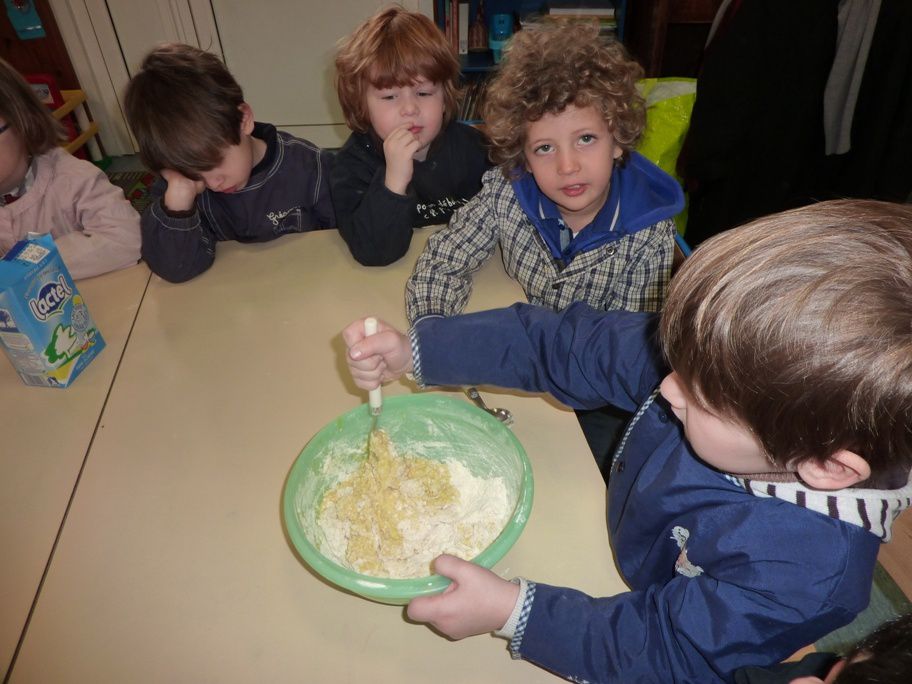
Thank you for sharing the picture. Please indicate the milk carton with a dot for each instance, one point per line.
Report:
(45, 327)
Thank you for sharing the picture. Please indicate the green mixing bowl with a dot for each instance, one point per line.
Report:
(429, 425)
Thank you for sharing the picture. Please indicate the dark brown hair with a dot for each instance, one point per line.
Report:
(393, 48)
(553, 65)
(26, 115)
(799, 327)
(884, 656)
(184, 109)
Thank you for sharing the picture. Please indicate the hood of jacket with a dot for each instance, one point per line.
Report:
(641, 195)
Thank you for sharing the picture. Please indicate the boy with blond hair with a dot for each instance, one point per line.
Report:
(224, 176)
(767, 458)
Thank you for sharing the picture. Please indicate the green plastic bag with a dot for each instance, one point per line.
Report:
(669, 102)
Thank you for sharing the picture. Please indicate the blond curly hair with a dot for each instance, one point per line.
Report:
(553, 65)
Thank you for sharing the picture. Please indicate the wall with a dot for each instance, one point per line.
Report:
(46, 55)
(280, 51)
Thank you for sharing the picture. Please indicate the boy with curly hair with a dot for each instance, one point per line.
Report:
(224, 176)
(768, 456)
(578, 214)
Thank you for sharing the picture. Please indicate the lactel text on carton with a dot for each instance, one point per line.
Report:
(45, 326)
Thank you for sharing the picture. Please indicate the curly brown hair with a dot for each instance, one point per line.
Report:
(394, 47)
(553, 65)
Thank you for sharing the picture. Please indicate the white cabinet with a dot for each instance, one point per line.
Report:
(280, 51)
(283, 58)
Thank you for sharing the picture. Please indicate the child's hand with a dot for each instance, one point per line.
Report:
(399, 148)
(379, 358)
(181, 191)
(477, 602)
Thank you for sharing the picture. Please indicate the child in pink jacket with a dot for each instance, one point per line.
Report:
(44, 189)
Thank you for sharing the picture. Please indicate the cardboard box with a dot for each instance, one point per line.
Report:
(45, 326)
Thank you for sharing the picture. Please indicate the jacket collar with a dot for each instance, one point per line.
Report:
(640, 195)
(871, 509)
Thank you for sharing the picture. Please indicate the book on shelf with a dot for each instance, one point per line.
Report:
(466, 30)
(470, 103)
(607, 26)
(580, 8)
(462, 37)
(452, 17)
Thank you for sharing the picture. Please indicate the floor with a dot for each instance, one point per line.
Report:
(127, 162)
(887, 602)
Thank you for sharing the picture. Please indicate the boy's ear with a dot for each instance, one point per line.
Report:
(246, 118)
(843, 469)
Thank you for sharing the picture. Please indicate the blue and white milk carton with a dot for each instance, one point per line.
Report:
(45, 326)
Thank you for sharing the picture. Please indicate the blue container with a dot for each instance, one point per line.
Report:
(501, 30)
(45, 326)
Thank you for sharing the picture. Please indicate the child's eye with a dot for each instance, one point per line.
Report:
(387, 96)
(426, 93)
(543, 149)
(587, 139)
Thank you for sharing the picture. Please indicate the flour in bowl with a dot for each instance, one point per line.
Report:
(396, 513)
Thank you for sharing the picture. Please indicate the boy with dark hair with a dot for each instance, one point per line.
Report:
(768, 455)
(882, 657)
(223, 175)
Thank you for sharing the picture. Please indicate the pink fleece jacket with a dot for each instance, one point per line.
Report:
(94, 226)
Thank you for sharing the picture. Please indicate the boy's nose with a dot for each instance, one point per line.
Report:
(409, 105)
(567, 163)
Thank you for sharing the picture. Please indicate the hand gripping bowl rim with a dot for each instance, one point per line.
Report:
(400, 591)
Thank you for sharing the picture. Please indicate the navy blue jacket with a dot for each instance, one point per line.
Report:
(722, 576)
(288, 192)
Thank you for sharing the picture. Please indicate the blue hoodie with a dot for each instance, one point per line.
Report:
(640, 195)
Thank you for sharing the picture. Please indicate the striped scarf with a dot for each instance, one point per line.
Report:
(871, 509)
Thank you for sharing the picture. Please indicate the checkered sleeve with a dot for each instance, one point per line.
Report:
(442, 280)
(643, 283)
(526, 598)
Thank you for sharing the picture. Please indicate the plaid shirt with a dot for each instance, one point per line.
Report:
(631, 273)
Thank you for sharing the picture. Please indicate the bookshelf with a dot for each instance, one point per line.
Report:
(477, 65)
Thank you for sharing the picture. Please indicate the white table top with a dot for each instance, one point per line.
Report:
(46, 435)
(173, 564)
